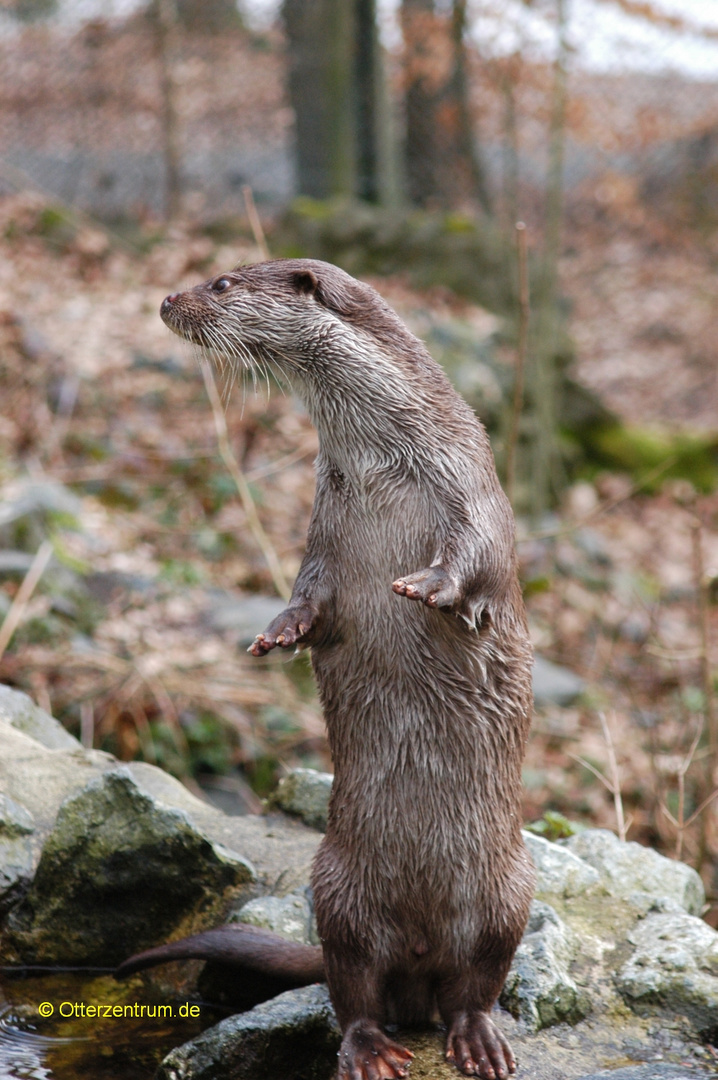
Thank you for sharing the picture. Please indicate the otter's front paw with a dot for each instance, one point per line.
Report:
(291, 627)
(433, 587)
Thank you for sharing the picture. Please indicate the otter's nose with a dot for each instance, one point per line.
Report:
(167, 302)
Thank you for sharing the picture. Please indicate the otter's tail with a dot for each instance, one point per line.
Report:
(243, 946)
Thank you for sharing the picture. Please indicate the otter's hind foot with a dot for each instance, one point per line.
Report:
(477, 1047)
(368, 1054)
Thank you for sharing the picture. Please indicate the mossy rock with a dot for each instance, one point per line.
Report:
(641, 451)
(118, 872)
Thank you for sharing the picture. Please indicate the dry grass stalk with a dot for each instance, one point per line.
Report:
(17, 609)
(87, 724)
(518, 401)
(680, 823)
(711, 717)
(612, 784)
(240, 480)
(257, 230)
(709, 711)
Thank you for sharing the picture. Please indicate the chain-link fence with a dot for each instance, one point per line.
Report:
(83, 112)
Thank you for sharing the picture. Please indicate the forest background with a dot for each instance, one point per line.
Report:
(147, 529)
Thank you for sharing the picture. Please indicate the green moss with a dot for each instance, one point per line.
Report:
(642, 450)
(554, 826)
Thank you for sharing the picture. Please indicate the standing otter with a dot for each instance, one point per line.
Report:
(409, 597)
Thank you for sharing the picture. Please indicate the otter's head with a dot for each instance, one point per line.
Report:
(250, 308)
(285, 312)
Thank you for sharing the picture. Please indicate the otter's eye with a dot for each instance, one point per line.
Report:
(221, 285)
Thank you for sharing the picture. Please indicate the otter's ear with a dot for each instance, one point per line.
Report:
(305, 281)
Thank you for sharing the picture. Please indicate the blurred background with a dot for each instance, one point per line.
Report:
(145, 147)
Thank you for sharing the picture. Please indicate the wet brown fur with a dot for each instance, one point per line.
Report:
(408, 595)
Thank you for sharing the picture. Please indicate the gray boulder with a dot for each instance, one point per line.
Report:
(295, 1034)
(16, 861)
(241, 616)
(636, 873)
(539, 989)
(118, 873)
(291, 916)
(675, 966)
(559, 872)
(555, 685)
(305, 792)
(37, 498)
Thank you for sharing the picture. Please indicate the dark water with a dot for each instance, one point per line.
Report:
(85, 1036)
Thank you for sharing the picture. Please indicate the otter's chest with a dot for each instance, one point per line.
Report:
(383, 520)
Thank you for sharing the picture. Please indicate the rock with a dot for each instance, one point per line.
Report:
(16, 861)
(294, 1034)
(554, 685)
(21, 711)
(39, 779)
(118, 873)
(14, 819)
(675, 965)
(280, 848)
(629, 869)
(241, 616)
(107, 585)
(559, 872)
(650, 1071)
(539, 989)
(291, 916)
(37, 497)
(306, 792)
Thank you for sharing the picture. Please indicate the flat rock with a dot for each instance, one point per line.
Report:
(40, 779)
(25, 497)
(650, 1071)
(298, 1027)
(628, 870)
(241, 616)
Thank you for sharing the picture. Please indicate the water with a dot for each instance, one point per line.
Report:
(100, 1044)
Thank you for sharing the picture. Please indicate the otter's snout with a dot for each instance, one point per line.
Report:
(167, 304)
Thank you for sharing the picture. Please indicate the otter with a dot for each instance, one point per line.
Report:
(408, 595)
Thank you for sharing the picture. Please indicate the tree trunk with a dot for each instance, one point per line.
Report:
(467, 150)
(548, 473)
(423, 79)
(442, 161)
(167, 30)
(336, 87)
